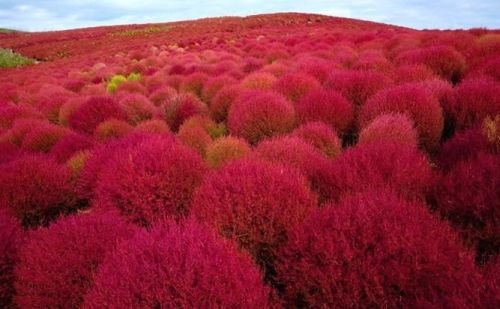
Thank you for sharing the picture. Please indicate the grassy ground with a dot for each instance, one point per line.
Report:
(10, 59)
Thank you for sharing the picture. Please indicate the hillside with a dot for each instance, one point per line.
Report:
(280, 160)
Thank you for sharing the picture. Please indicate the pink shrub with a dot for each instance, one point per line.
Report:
(181, 107)
(69, 145)
(214, 85)
(35, 189)
(43, 137)
(226, 149)
(395, 127)
(357, 86)
(376, 250)
(9, 152)
(57, 264)
(255, 210)
(473, 100)
(181, 266)
(198, 132)
(328, 106)
(443, 60)
(378, 165)
(162, 95)
(321, 136)
(194, 84)
(414, 101)
(152, 126)
(222, 101)
(94, 111)
(111, 129)
(11, 113)
(257, 115)
(137, 107)
(259, 81)
(294, 86)
(408, 73)
(10, 242)
(469, 197)
(21, 127)
(151, 181)
(131, 87)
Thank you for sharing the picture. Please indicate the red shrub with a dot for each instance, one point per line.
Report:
(21, 127)
(57, 265)
(462, 146)
(357, 86)
(69, 145)
(408, 73)
(259, 81)
(181, 107)
(162, 95)
(9, 152)
(194, 83)
(296, 153)
(220, 104)
(395, 127)
(257, 115)
(153, 180)
(10, 241)
(473, 100)
(35, 189)
(375, 250)
(197, 132)
(294, 86)
(152, 126)
(255, 210)
(137, 107)
(43, 137)
(225, 149)
(377, 165)
(328, 106)
(131, 87)
(321, 136)
(111, 128)
(180, 266)
(469, 197)
(416, 102)
(67, 110)
(94, 111)
(11, 113)
(445, 61)
(214, 85)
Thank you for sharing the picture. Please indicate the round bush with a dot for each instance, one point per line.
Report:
(181, 107)
(257, 115)
(137, 107)
(199, 131)
(357, 86)
(390, 127)
(43, 137)
(414, 101)
(35, 189)
(152, 126)
(321, 136)
(255, 210)
(162, 95)
(408, 73)
(259, 81)
(473, 100)
(9, 152)
(296, 85)
(153, 180)
(10, 242)
(377, 165)
(94, 111)
(443, 60)
(180, 266)
(69, 145)
(111, 129)
(57, 264)
(328, 106)
(376, 250)
(214, 85)
(194, 83)
(469, 197)
(225, 149)
(219, 106)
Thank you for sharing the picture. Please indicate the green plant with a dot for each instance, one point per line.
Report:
(10, 59)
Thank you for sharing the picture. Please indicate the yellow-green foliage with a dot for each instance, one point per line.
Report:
(10, 59)
(117, 79)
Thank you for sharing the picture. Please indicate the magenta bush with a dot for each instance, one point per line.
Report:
(394, 127)
(69, 145)
(10, 242)
(257, 115)
(294, 86)
(376, 250)
(177, 266)
(321, 136)
(181, 107)
(94, 111)
(57, 264)
(151, 181)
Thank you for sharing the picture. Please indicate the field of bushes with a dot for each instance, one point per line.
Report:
(271, 161)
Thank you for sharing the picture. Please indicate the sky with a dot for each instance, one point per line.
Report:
(39, 15)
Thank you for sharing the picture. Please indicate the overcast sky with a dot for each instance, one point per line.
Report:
(39, 15)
